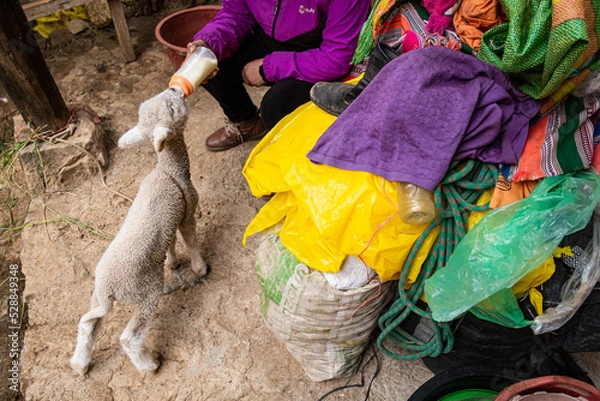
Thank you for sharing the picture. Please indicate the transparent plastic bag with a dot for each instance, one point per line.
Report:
(576, 289)
(508, 243)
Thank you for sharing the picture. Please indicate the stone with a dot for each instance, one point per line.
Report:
(60, 38)
(77, 25)
(53, 166)
(126, 85)
(99, 13)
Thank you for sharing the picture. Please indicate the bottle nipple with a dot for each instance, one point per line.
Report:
(194, 70)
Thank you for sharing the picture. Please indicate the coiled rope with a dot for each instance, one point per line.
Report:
(455, 198)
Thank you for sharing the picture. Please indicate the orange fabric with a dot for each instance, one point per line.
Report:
(398, 21)
(474, 17)
(535, 141)
(507, 192)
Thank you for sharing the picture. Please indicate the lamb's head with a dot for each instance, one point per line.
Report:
(160, 118)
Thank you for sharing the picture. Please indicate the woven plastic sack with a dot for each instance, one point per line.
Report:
(312, 319)
(508, 243)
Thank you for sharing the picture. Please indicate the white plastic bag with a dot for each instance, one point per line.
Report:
(353, 274)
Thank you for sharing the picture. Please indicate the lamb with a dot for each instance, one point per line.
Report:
(131, 268)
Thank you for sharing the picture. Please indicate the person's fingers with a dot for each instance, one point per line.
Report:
(211, 76)
(192, 46)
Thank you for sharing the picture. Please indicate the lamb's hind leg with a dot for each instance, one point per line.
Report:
(190, 238)
(82, 356)
(134, 336)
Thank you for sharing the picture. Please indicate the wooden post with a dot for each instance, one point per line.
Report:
(24, 73)
(118, 16)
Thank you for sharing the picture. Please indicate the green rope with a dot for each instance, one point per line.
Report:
(455, 198)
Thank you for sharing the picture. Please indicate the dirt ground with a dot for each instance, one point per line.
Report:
(211, 337)
(212, 340)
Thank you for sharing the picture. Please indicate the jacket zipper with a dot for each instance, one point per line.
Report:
(276, 14)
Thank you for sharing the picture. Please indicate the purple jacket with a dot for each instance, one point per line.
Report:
(344, 19)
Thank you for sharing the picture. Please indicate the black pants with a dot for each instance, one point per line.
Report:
(228, 89)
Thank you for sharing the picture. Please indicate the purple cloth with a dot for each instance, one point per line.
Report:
(338, 22)
(424, 109)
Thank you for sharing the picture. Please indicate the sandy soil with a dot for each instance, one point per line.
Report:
(212, 340)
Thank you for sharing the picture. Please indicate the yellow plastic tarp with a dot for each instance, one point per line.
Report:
(58, 20)
(329, 213)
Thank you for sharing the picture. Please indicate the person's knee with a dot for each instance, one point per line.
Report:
(281, 99)
(270, 109)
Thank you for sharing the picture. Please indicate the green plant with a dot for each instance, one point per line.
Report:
(14, 208)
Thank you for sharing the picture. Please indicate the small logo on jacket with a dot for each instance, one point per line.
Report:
(303, 10)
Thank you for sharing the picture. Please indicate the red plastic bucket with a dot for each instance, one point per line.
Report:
(552, 385)
(178, 29)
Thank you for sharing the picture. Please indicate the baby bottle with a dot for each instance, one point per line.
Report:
(194, 70)
(415, 204)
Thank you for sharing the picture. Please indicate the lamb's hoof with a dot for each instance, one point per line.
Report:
(146, 362)
(151, 364)
(79, 367)
(184, 279)
(202, 272)
(172, 265)
(150, 368)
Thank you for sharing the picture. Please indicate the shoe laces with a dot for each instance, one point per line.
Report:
(233, 129)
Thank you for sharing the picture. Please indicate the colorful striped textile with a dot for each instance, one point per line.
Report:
(546, 45)
(391, 24)
(366, 39)
(561, 142)
(406, 26)
(407, 17)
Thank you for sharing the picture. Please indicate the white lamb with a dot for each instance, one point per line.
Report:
(131, 269)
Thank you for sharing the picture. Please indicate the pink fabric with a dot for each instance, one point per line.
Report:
(438, 20)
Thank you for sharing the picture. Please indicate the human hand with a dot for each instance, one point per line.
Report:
(251, 75)
(192, 47)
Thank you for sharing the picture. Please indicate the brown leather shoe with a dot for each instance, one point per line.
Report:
(234, 134)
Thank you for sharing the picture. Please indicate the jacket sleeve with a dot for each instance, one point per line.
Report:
(332, 59)
(227, 30)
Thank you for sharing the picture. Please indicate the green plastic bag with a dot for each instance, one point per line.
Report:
(508, 243)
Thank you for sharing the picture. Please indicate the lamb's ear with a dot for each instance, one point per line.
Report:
(160, 137)
(131, 137)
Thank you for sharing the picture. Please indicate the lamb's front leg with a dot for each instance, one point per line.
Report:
(172, 261)
(190, 239)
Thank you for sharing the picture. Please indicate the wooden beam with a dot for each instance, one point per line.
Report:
(24, 73)
(43, 8)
